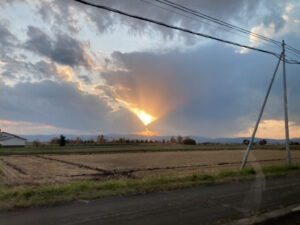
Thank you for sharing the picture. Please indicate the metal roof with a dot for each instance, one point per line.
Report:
(6, 136)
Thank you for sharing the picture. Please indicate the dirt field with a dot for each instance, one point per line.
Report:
(51, 169)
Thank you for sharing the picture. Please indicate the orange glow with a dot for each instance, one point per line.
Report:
(154, 94)
(144, 117)
(147, 133)
(272, 129)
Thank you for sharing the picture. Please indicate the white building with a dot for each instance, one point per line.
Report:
(11, 140)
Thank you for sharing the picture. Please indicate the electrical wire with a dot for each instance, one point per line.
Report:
(293, 49)
(202, 15)
(183, 29)
(227, 29)
(223, 23)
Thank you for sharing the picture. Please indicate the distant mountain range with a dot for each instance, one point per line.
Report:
(109, 137)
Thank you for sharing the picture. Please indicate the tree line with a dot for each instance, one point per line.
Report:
(62, 141)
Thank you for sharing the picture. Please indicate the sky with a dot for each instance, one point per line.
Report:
(73, 69)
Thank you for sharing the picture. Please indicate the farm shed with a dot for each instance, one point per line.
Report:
(11, 140)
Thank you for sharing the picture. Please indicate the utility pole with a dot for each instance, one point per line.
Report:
(286, 120)
(287, 139)
(260, 115)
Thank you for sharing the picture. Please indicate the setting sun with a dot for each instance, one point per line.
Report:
(144, 117)
(147, 133)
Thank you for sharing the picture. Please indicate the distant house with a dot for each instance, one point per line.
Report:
(11, 140)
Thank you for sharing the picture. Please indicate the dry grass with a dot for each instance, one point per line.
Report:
(52, 169)
(47, 195)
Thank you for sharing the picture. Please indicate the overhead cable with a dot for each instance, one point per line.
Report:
(182, 29)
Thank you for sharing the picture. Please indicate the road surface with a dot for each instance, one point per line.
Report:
(211, 204)
(289, 219)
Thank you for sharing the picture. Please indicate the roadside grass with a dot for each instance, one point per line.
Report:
(11, 198)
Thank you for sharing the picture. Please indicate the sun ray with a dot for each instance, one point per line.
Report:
(147, 133)
(143, 116)
(146, 118)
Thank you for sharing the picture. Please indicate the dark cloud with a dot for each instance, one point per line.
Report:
(61, 105)
(44, 69)
(21, 70)
(62, 49)
(60, 13)
(7, 39)
(274, 14)
(85, 79)
(9, 75)
(244, 13)
(216, 91)
(209, 91)
(241, 12)
(147, 86)
(15, 68)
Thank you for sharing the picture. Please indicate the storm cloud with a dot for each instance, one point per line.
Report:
(62, 49)
(61, 105)
(7, 39)
(213, 91)
(236, 11)
(60, 71)
(20, 70)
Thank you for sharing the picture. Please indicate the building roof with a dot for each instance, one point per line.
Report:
(6, 136)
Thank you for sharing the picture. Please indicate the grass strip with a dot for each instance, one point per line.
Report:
(59, 193)
(102, 151)
(122, 149)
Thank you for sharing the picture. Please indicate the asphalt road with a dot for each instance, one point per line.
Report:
(290, 219)
(211, 204)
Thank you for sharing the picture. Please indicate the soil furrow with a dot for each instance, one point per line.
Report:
(14, 167)
(105, 172)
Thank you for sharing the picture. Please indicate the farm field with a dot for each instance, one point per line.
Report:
(44, 169)
(122, 148)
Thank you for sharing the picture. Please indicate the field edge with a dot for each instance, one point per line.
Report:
(61, 193)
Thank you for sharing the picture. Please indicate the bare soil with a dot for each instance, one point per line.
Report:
(51, 169)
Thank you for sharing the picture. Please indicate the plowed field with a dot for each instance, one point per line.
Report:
(50, 169)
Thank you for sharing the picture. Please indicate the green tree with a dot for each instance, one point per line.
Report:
(54, 140)
(62, 140)
(246, 142)
(189, 141)
(263, 142)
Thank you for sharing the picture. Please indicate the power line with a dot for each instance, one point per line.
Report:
(219, 26)
(291, 52)
(293, 49)
(183, 29)
(223, 23)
